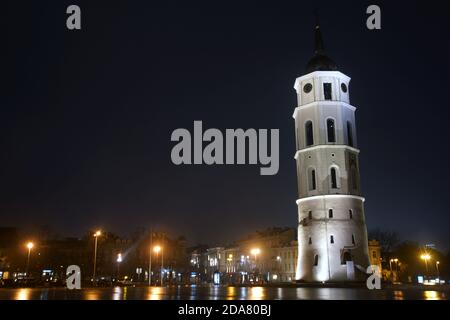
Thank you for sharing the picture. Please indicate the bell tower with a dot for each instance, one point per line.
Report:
(332, 234)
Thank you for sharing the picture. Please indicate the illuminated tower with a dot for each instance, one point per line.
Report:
(332, 234)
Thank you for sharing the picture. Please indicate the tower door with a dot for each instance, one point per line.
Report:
(347, 256)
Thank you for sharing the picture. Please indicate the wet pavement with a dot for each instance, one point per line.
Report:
(225, 293)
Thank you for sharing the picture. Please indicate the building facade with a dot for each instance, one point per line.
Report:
(375, 254)
(332, 235)
(262, 257)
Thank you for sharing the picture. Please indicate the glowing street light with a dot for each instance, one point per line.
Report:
(437, 268)
(30, 246)
(255, 252)
(97, 234)
(157, 250)
(119, 260)
(396, 264)
(394, 276)
(425, 257)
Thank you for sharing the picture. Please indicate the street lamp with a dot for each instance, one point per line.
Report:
(425, 257)
(396, 264)
(30, 246)
(437, 268)
(157, 250)
(275, 276)
(255, 252)
(97, 234)
(119, 260)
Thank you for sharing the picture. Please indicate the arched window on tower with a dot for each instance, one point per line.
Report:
(331, 134)
(330, 213)
(316, 260)
(350, 213)
(354, 178)
(327, 91)
(334, 178)
(309, 133)
(312, 179)
(353, 171)
(349, 134)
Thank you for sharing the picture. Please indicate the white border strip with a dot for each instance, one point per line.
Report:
(325, 146)
(323, 102)
(330, 196)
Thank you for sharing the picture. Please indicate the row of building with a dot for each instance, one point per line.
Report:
(262, 257)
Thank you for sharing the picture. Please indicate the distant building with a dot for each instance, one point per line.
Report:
(276, 251)
(375, 253)
(264, 256)
(285, 263)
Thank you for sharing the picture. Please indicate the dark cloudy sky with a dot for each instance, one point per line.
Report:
(86, 116)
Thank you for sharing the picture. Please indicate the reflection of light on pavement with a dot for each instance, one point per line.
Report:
(125, 291)
(193, 292)
(431, 295)
(398, 295)
(155, 293)
(231, 293)
(213, 292)
(280, 293)
(44, 295)
(117, 293)
(256, 293)
(92, 295)
(23, 294)
(243, 293)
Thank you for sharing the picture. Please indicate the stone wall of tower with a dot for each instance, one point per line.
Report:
(315, 231)
(331, 228)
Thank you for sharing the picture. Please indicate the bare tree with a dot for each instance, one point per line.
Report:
(388, 239)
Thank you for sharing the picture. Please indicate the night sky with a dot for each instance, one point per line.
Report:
(86, 116)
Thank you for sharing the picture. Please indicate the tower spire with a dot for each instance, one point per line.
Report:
(318, 48)
(320, 61)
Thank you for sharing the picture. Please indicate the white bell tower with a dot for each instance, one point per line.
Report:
(332, 234)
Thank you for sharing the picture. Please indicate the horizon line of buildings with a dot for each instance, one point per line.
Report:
(261, 257)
